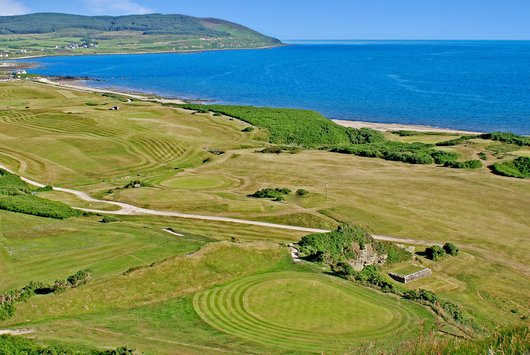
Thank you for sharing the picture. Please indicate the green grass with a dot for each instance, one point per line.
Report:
(49, 34)
(294, 127)
(518, 168)
(308, 312)
(151, 308)
(406, 270)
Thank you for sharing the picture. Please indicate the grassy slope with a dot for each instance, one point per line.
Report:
(39, 34)
(141, 140)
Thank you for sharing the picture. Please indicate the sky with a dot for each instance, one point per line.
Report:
(325, 19)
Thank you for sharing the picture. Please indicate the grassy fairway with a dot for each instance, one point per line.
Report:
(308, 312)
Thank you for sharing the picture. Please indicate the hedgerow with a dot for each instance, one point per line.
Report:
(469, 164)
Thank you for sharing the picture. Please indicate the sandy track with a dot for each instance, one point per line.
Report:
(130, 210)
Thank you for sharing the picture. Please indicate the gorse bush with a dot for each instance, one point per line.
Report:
(291, 126)
(36, 206)
(518, 168)
(412, 153)
(507, 137)
(17, 196)
(441, 157)
(435, 252)
(274, 193)
(9, 299)
(451, 249)
(336, 246)
(469, 164)
(16, 345)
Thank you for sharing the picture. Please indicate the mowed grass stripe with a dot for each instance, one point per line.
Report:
(228, 309)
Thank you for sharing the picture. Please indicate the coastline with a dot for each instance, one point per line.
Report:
(383, 127)
(184, 51)
(388, 127)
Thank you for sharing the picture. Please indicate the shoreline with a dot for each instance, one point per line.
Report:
(378, 126)
(183, 51)
(389, 127)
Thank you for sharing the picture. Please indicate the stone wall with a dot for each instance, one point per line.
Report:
(411, 277)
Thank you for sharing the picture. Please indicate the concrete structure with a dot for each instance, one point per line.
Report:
(411, 277)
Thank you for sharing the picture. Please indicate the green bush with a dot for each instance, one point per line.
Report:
(79, 278)
(507, 137)
(16, 345)
(412, 153)
(302, 192)
(291, 126)
(518, 168)
(469, 164)
(395, 253)
(441, 157)
(435, 252)
(451, 249)
(248, 129)
(457, 141)
(274, 193)
(36, 206)
(109, 219)
(335, 247)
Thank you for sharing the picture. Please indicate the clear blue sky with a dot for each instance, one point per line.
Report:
(326, 19)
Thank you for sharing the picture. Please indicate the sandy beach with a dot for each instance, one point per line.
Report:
(75, 85)
(385, 127)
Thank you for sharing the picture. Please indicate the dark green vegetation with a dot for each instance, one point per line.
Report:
(17, 196)
(294, 127)
(15, 345)
(518, 168)
(44, 32)
(9, 299)
(451, 249)
(504, 137)
(344, 245)
(437, 253)
(278, 194)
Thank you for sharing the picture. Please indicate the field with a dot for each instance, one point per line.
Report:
(186, 293)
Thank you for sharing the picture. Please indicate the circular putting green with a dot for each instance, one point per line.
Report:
(197, 182)
(308, 312)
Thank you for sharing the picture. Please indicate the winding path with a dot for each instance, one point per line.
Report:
(130, 210)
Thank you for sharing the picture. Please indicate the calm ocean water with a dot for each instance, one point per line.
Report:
(473, 85)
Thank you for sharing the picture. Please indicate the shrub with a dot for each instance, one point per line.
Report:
(470, 164)
(302, 192)
(274, 193)
(335, 247)
(518, 168)
(79, 278)
(435, 252)
(457, 141)
(441, 157)
(46, 188)
(395, 254)
(136, 183)
(248, 129)
(294, 127)
(109, 219)
(507, 137)
(450, 249)
(36, 206)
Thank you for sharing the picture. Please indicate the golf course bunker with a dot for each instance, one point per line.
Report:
(308, 312)
(197, 182)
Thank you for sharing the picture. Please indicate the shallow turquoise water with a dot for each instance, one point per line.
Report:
(473, 85)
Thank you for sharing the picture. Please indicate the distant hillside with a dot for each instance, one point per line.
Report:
(62, 33)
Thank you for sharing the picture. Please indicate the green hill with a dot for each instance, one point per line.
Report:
(55, 33)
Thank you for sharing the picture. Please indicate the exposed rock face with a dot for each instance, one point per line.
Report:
(367, 256)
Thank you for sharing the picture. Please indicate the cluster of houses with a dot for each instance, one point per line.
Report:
(79, 46)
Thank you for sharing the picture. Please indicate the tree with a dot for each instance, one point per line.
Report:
(450, 249)
(435, 252)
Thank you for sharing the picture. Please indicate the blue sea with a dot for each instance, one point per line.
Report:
(469, 85)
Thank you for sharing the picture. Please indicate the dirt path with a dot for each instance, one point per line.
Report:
(16, 331)
(130, 210)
